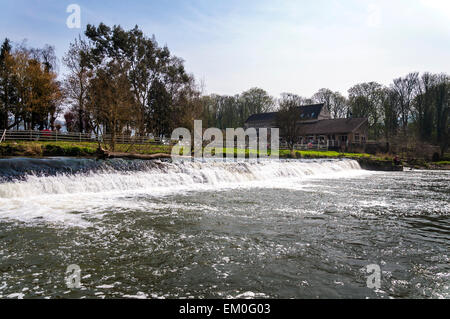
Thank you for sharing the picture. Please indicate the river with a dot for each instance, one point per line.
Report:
(290, 229)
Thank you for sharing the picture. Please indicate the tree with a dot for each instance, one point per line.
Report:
(254, 101)
(111, 100)
(405, 88)
(390, 113)
(366, 100)
(189, 106)
(288, 118)
(442, 104)
(7, 89)
(76, 83)
(422, 110)
(324, 96)
(156, 77)
(335, 102)
(44, 96)
(158, 117)
(29, 90)
(71, 121)
(223, 111)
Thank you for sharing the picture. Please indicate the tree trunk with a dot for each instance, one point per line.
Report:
(104, 154)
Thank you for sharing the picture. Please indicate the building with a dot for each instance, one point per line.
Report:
(316, 126)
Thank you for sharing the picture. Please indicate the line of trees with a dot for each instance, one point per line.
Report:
(414, 106)
(224, 111)
(123, 82)
(30, 94)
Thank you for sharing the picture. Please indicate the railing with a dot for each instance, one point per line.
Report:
(306, 146)
(3, 136)
(47, 136)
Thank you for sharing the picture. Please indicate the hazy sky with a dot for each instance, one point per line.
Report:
(281, 46)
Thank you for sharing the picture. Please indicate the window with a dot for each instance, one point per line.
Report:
(344, 138)
(357, 137)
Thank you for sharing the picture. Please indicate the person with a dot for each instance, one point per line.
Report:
(396, 160)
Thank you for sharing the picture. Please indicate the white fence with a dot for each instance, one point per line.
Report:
(47, 136)
(305, 147)
(3, 136)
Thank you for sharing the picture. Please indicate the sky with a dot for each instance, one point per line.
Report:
(295, 46)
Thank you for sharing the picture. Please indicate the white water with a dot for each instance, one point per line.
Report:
(58, 198)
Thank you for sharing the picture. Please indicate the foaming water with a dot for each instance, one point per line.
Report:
(117, 176)
(97, 186)
(293, 229)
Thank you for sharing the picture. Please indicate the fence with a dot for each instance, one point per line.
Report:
(47, 136)
(305, 147)
(3, 136)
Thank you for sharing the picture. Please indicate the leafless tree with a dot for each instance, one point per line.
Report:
(405, 88)
(76, 83)
(335, 102)
(288, 118)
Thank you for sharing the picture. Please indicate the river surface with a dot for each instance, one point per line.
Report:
(291, 229)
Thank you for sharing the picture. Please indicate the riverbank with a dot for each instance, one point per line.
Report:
(73, 149)
(89, 150)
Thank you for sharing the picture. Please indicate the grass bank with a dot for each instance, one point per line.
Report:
(89, 149)
(76, 149)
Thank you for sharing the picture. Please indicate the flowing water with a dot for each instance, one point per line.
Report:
(292, 229)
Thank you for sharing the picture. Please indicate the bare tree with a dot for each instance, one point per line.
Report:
(335, 102)
(366, 100)
(111, 100)
(76, 83)
(288, 118)
(422, 109)
(324, 96)
(405, 89)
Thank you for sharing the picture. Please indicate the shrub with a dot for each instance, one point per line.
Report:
(33, 150)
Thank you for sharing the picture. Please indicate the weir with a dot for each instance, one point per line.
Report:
(34, 177)
(58, 189)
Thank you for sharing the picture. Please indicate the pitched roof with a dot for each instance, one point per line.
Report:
(333, 126)
(307, 112)
(311, 111)
(262, 117)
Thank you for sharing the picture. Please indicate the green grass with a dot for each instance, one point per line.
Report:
(442, 163)
(47, 149)
(287, 153)
(86, 149)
